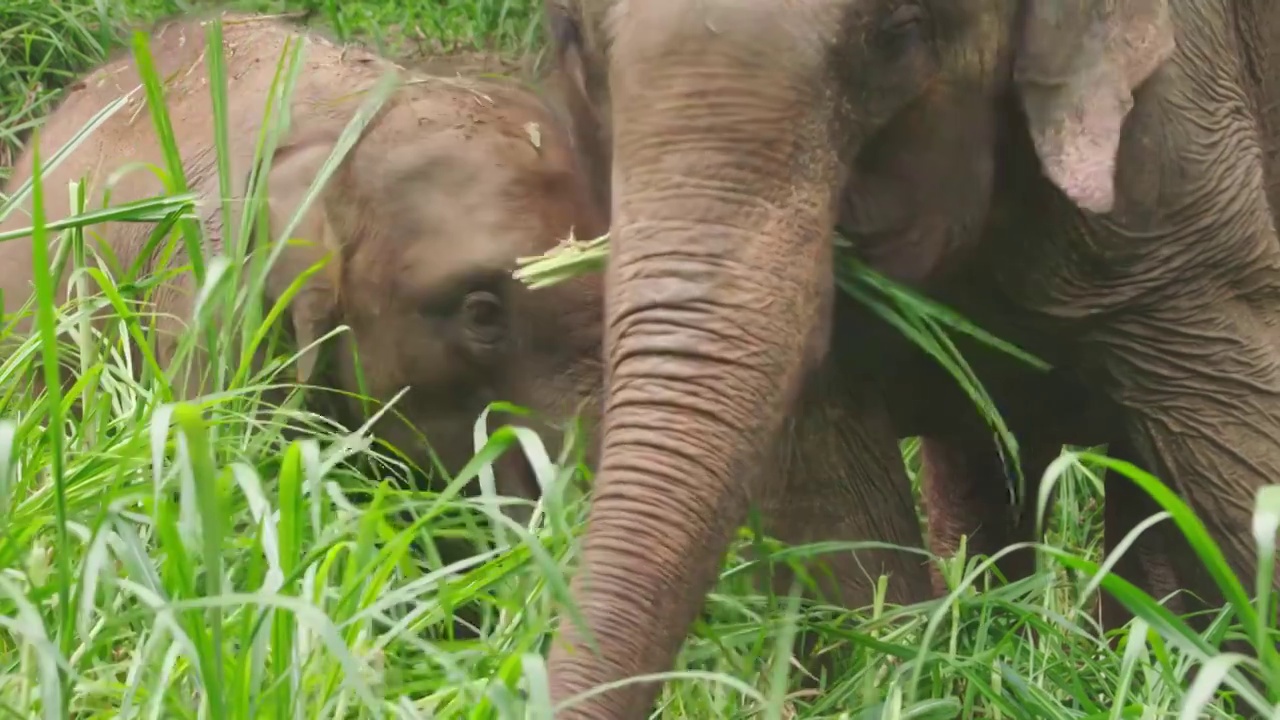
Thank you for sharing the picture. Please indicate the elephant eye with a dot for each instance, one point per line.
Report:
(485, 317)
(903, 31)
(906, 18)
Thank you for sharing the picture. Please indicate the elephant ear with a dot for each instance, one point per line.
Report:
(575, 61)
(565, 30)
(313, 309)
(1077, 66)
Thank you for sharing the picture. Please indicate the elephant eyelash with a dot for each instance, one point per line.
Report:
(483, 316)
(903, 18)
(484, 309)
(903, 30)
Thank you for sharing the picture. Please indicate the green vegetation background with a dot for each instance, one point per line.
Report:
(194, 561)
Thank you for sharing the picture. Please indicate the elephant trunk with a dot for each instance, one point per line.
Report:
(718, 304)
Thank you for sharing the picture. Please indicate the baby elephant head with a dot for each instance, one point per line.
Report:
(421, 225)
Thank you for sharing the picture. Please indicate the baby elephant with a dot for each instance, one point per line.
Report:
(448, 184)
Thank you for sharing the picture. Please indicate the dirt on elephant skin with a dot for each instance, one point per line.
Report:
(463, 62)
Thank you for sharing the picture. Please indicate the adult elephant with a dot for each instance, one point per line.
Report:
(1085, 177)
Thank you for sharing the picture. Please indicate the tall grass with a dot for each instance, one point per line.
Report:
(240, 557)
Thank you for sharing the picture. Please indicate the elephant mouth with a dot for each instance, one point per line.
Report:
(517, 478)
(516, 473)
(882, 228)
(905, 252)
(904, 239)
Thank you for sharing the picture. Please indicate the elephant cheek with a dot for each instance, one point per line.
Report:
(921, 189)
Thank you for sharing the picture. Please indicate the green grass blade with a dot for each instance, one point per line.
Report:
(46, 278)
(177, 178)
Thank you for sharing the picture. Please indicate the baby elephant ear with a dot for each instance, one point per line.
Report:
(313, 308)
(1077, 66)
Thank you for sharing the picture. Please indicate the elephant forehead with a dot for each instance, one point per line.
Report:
(444, 224)
(681, 26)
(454, 189)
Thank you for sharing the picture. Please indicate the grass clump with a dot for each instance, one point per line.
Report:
(240, 557)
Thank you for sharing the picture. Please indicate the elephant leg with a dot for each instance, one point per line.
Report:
(845, 482)
(841, 478)
(966, 493)
(1200, 387)
(1146, 563)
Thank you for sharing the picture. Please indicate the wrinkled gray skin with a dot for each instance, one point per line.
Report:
(1086, 178)
(422, 224)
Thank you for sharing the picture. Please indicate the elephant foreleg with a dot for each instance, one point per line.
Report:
(965, 484)
(1146, 563)
(1200, 387)
(842, 479)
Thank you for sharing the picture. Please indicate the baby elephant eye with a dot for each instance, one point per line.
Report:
(484, 316)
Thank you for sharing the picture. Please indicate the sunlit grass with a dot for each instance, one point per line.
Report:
(233, 558)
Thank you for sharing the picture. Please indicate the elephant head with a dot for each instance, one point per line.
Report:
(740, 134)
(421, 224)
